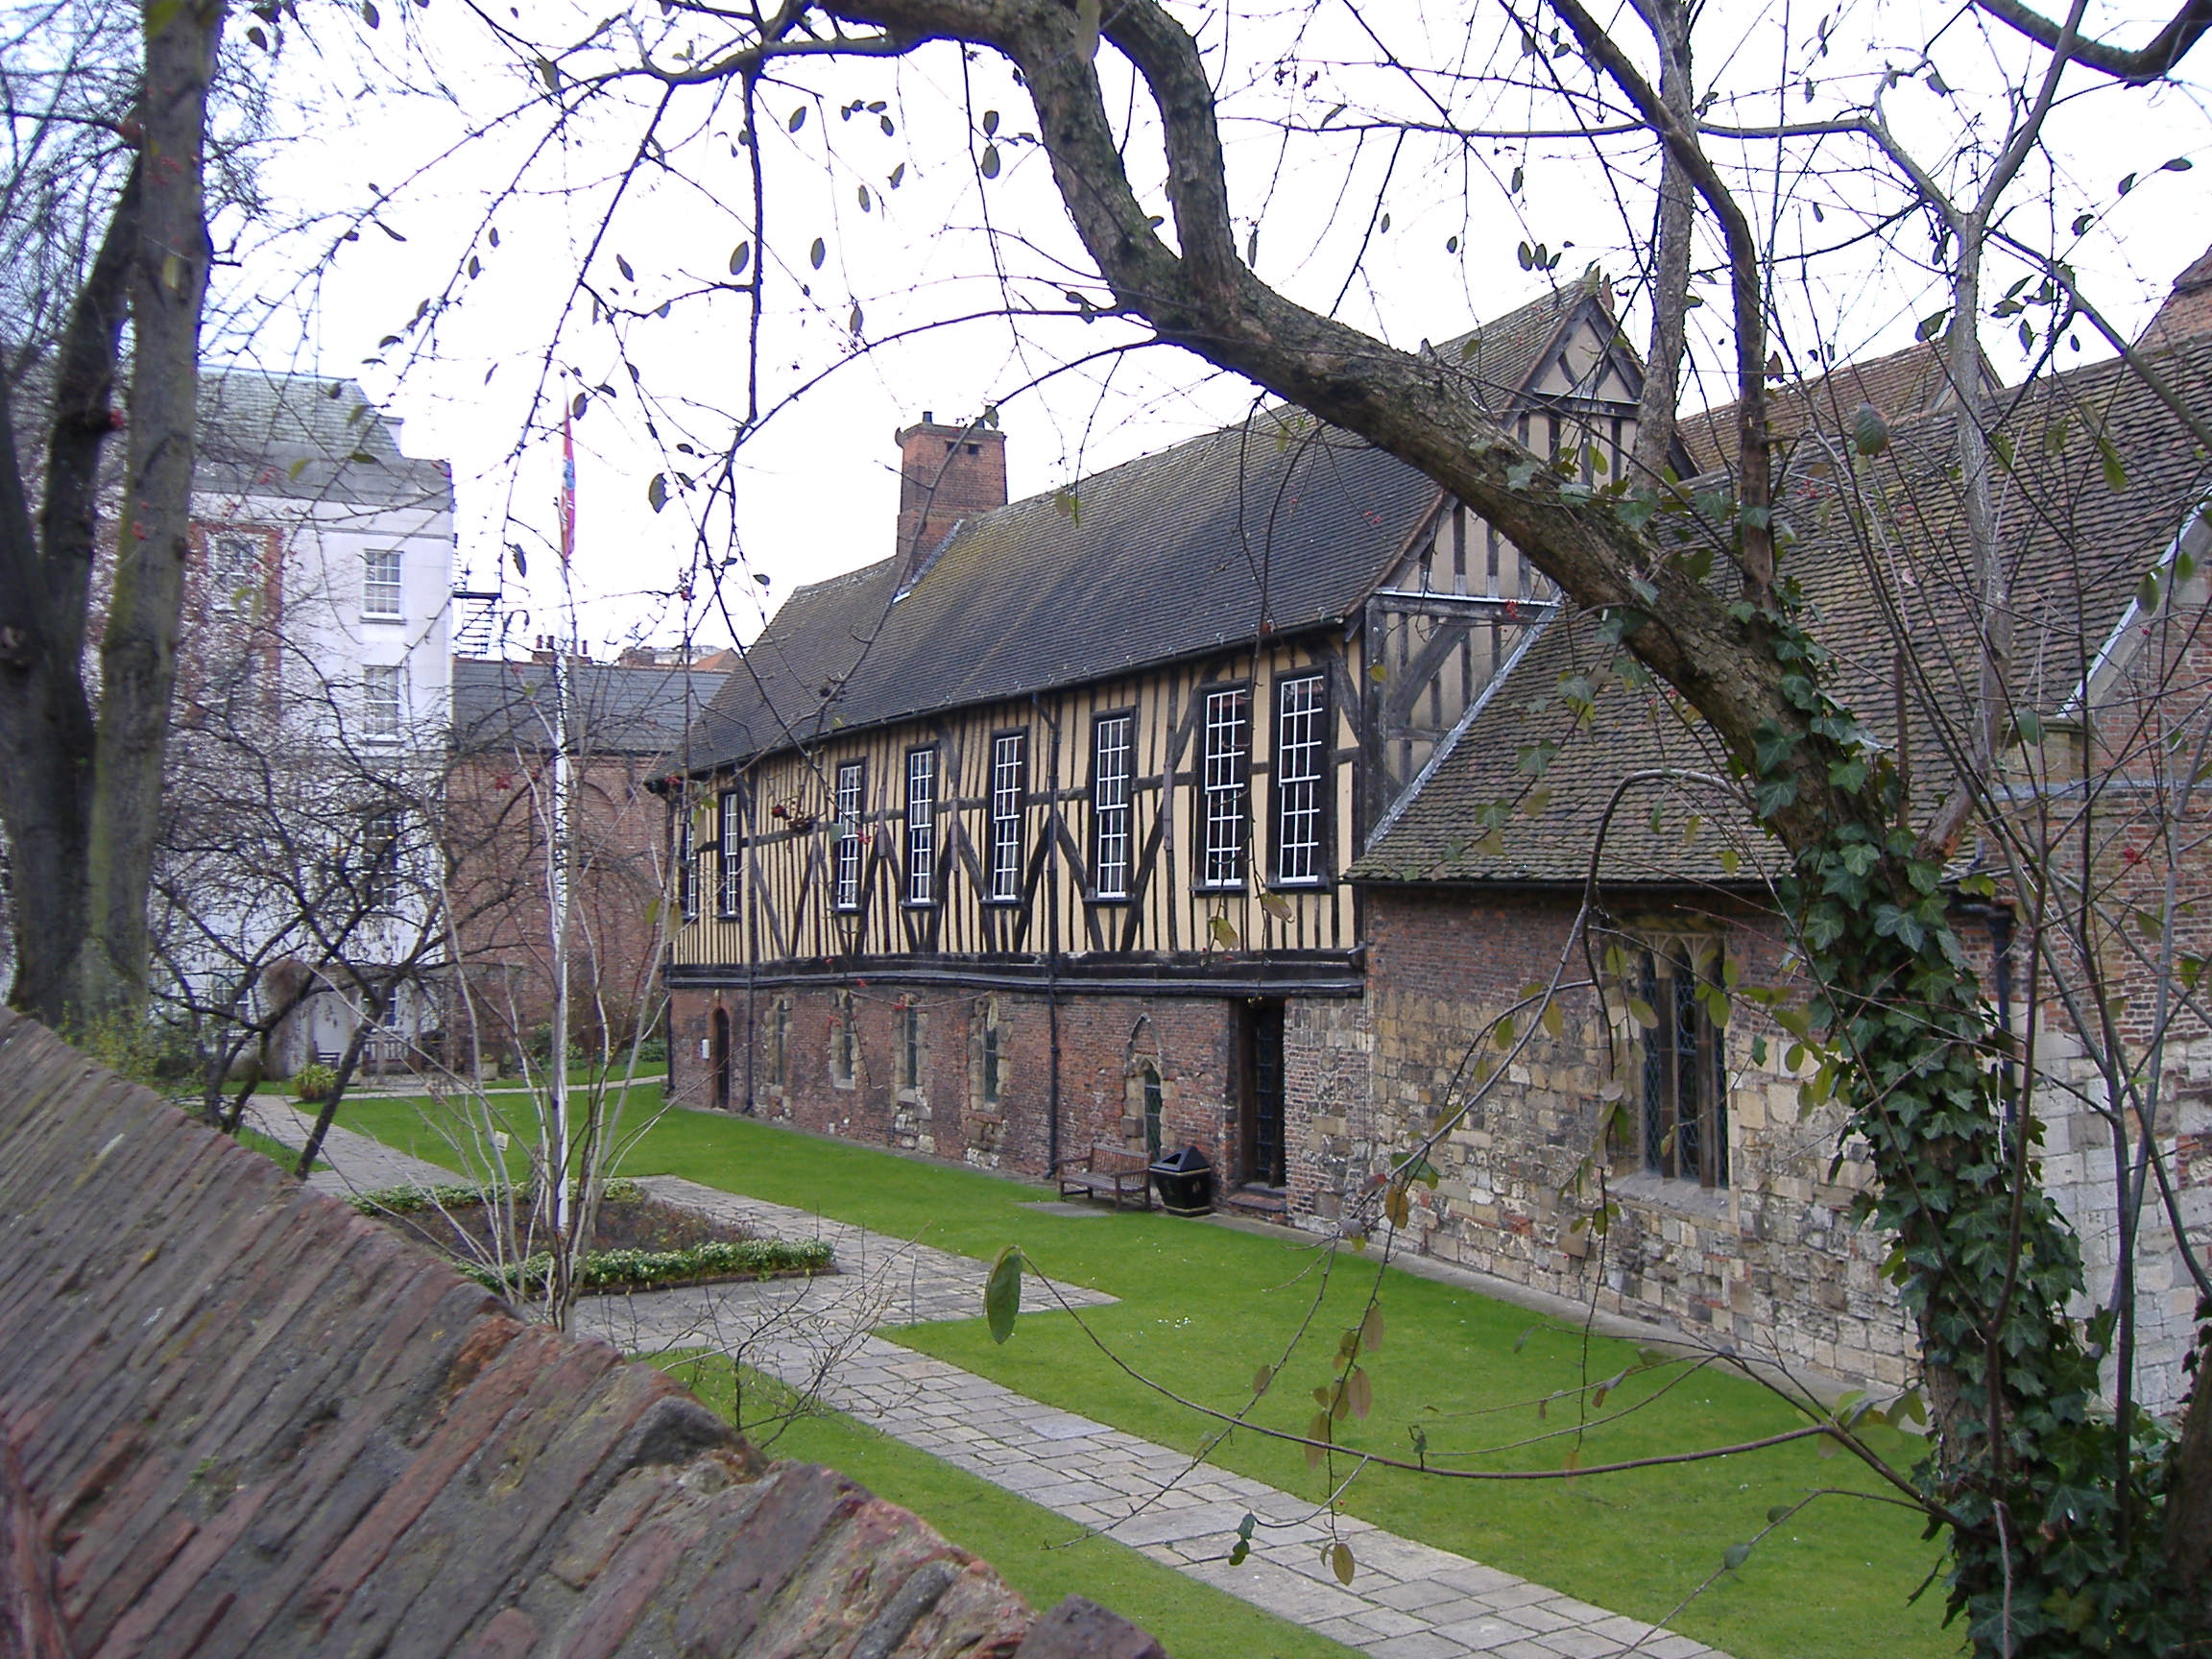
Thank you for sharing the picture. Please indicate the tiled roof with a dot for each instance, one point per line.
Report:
(1900, 386)
(613, 707)
(2076, 547)
(237, 1418)
(301, 438)
(1277, 522)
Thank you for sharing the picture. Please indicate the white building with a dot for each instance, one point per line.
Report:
(313, 699)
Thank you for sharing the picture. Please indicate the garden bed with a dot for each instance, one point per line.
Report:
(640, 1243)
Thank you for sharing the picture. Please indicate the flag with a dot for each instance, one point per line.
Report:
(567, 493)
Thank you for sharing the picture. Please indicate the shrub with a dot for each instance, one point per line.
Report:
(604, 1269)
(313, 1082)
(413, 1200)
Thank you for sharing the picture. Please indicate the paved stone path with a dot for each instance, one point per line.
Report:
(1407, 1599)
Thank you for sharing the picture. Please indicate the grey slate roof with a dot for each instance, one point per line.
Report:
(2078, 548)
(613, 707)
(1277, 523)
(301, 438)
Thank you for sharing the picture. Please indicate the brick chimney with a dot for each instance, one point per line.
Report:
(945, 473)
(2187, 310)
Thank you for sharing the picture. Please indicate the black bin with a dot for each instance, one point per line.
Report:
(1185, 1182)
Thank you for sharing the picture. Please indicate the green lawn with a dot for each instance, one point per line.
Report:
(1040, 1554)
(1203, 1306)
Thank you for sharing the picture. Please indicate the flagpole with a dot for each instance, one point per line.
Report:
(563, 841)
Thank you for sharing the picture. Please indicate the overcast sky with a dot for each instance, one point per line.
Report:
(1412, 237)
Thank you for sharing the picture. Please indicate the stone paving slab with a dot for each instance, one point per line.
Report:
(1407, 1599)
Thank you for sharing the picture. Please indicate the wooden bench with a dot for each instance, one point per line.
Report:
(1110, 1172)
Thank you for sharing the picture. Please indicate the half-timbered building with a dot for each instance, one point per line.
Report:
(1032, 837)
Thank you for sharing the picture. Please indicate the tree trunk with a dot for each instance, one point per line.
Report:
(1655, 408)
(46, 729)
(2188, 1536)
(139, 652)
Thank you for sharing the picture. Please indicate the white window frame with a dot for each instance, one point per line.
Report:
(1224, 788)
(383, 585)
(1113, 754)
(1301, 772)
(730, 854)
(686, 867)
(845, 853)
(921, 825)
(234, 569)
(383, 701)
(1009, 803)
(382, 832)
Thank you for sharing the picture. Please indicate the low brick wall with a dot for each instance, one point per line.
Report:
(236, 1418)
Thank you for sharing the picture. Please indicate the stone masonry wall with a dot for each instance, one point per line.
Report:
(1769, 1263)
(237, 1418)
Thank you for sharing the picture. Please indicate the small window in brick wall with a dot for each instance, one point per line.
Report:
(1149, 1083)
(910, 1045)
(1683, 1131)
(844, 1045)
(780, 1043)
(990, 1056)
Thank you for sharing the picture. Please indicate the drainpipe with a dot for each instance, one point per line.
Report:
(748, 941)
(2001, 956)
(1998, 919)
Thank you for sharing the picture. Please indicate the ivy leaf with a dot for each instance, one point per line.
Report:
(1340, 1561)
(1002, 1293)
(1224, 933)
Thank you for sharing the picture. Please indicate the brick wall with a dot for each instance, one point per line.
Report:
(499, 883)
(1105, 1044)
